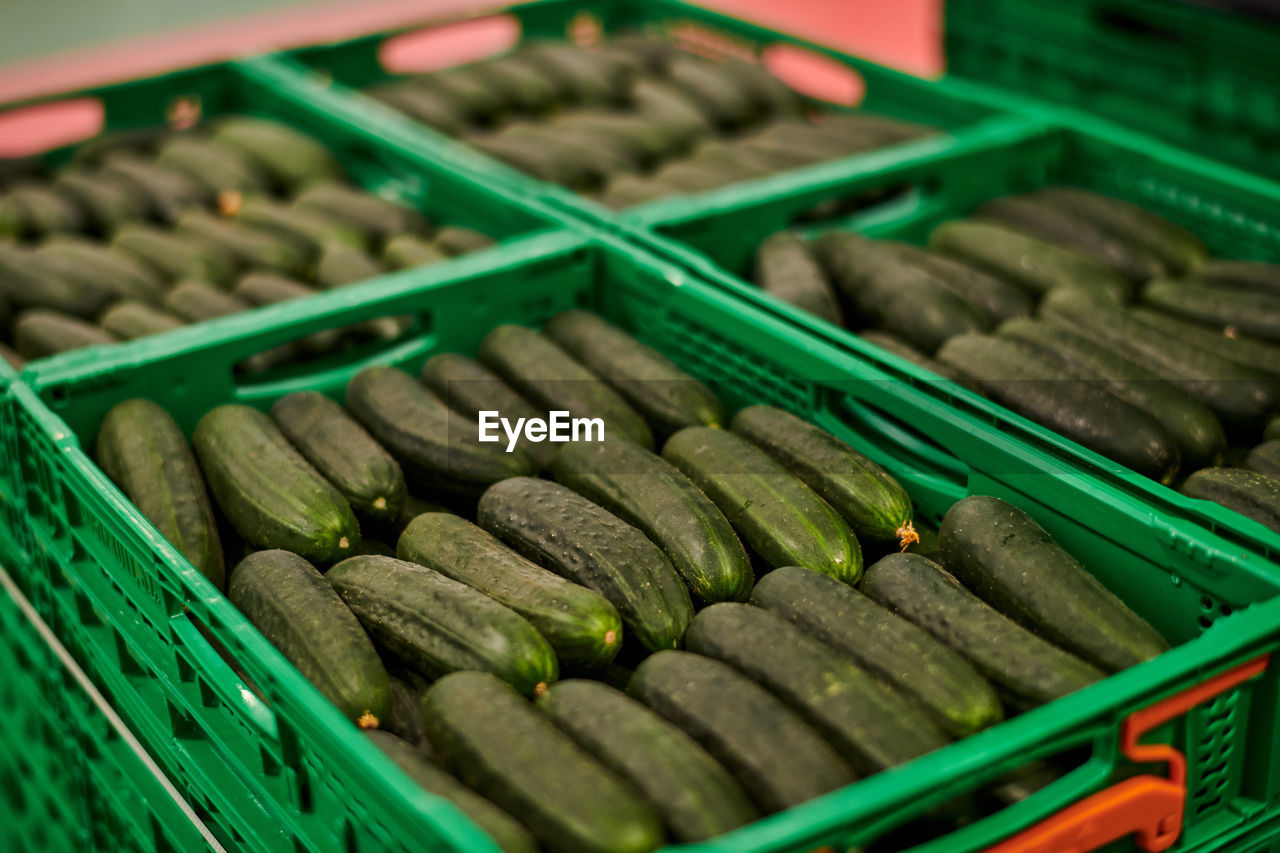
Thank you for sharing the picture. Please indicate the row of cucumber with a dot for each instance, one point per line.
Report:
(1091, 316)
(633, 118)
(145, 232)
(706, 598)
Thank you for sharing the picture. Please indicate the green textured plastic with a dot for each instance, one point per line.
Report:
(272, 739)
(952, 105)
(1203, 78)
(1235, 213)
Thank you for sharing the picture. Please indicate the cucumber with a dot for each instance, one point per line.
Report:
(587, 77)
(455, 240)
(434, 625)
(38, 333)
(306, 229)
(503, 748)
(593, 164)
(168, 193)
(429, 108)
(407, 252)
(264, 288)
(1235, 393)
(361, 210)
(872, 503)
(175, 255)
(650, 494)
(107, 202)
(196, 301)
(1249, 312)
(1030, 669)
(995, 299)
(1232, 346)
(28, 278)
(939, 681)
(668, 397)
(1035, 217)
(1064, 399)
(646, 54)
(1273, 428)
(267, 490)
(436, 447)
(666, 106)
(579, 623)
(640, 142)
(82, 260)
(697, 798)
(404, 711)
(1176, 247)
(341, 264)
(297, 610)
(1253, 495)
(892, 343)
(1265, 458)
(868, 723)
(1246, 275)
(1190, 424)
(549, 377)
(1009, 561)
(468, 387)
(344, 454)
(251, 248)
(43, 211)
(772, 97)
(627, 190)
(143, 451)
(773, 753)
(505, 830)
(892, 294)
(522, 86)
(785, 269)
(1032, 264)
(540, 161)
(215, 168)
(291, 159)
(467, 92)
(604, 554)
(775, 513)
(722, 97)
(130, 320)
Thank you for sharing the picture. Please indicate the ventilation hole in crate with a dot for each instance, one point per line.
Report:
(1206, 603)
(1212, 752)
(1225, 609)
(1204, 622)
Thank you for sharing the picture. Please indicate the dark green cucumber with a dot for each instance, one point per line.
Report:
(579, 623)
(667, 396)
(604, 554)
(896, 345)
(1253, 495)
(107, 202)
(1195, 429)
(79, 259)
(1273, 428)
(593, 164)
(344, 454)
(1022, 664)
(649, 493)
(1265, 458)
(724, 99)
(263, 288)
(267, 490)
(196, 301)
(1176, 247)
(1245, 275)
(626, 190)
(456, 240)
(667, 107)
(1064, 399)
(1035, 217)
(936, 678)
(1009, 561)
(467, 386)
(778, 758)
(435, 625)
(785, 269)
(437, 447)
(217, 169)
(291, 159)
(1250, 352)
(587, 77)
(640, 142)
(30, 279)
(251, 248)
(297, 610)
(404, 711)
(870, 725)
(341, 264)
(505, 830)
(1248, 312)
(1032, 264)
(539, 161)
(548, 376)
(996, 299)
(892, 294)
(467, 92)
(307, 229)
(361, 210)
(772, 97)
(176, 256)
(407, 252)
(523, 87)
(1236, 393)
(430, 108)
(129, 320)
(143, 451)
(38, 333)
(873, 503)
(44, 211)
(775, 513)
(168, 193)
(697, 798)
(509, 752)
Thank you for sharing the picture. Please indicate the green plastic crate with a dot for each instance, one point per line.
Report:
(328, 789)
(1238, 215)
(355, 62)
(1205, 79)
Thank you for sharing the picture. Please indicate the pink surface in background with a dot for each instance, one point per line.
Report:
(905, 34)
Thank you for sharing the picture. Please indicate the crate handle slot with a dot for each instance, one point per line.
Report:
(446, 45)
(1149, 807)
(34, 129)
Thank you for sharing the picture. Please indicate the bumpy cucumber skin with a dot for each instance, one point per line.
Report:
(37, 333)
(1246, 275)
(267, 490)
(1009, 561)
(1248, 312)
(435, 625)
(142, 449)
(776, 514)
(1265, 458)
(130, 320)
(1242, 349)
(996, 299)
(603, 553)
(502, 747)
(784, 268)
(292, 604)
(579, 623)
(649, 493)
(1253, 495)
(697, 798)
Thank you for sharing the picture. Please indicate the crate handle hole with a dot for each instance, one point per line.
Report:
(815, 75)
(447, 45)
(26, 131)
